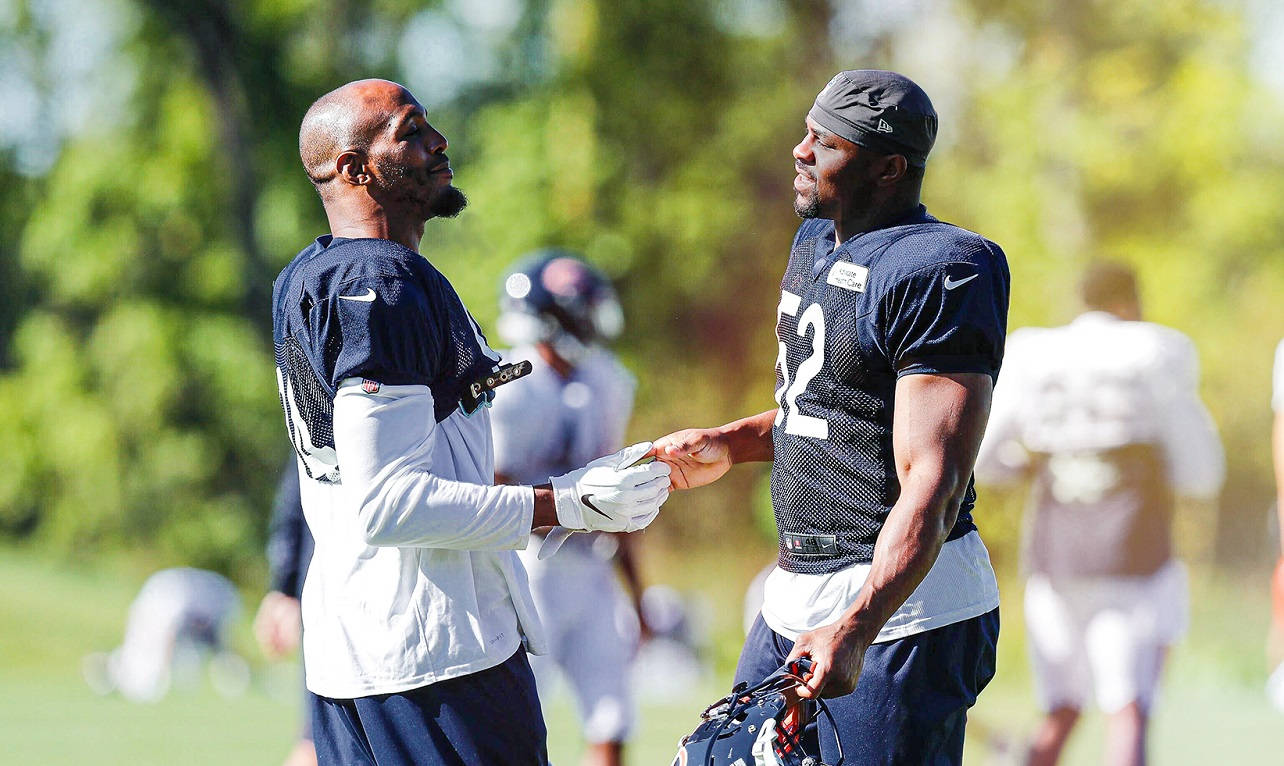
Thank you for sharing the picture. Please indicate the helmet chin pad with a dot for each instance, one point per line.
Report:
(518, 328)
(569, 347)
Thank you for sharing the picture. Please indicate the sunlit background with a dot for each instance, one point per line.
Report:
(153, 190)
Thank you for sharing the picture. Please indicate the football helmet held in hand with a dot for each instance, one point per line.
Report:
(742, 728)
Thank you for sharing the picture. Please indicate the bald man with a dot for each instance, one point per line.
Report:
(417, 615)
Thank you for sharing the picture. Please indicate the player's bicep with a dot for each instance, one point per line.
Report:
(937, 428)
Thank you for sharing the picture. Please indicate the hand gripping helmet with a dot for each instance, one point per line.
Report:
(553, 296)
(741, 728)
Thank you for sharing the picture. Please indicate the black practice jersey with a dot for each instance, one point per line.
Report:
(374, 309)
(920, 296)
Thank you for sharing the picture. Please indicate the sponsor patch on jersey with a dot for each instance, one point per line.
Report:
(369, 386)
(848, 276)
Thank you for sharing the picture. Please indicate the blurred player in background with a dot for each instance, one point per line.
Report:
(1275, 648)
(179, 617)
(1104, 416)
(559, 313)
(279, 622)
(417, 613)
(891, 327)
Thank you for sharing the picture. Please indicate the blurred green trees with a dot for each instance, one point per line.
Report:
(654, 136)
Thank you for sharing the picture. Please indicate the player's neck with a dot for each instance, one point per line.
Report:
(878, 215)
(371, 221)
(560, 366)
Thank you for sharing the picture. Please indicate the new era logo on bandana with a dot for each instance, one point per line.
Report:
(883, 127)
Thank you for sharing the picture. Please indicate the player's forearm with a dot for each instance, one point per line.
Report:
(545, 511)
(907, 547)
(626, 558)
(414, 508)
(389, 480)
(545, 514)
(749, 439)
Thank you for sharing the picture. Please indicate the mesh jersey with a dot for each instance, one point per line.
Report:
(920, 296)
(370, 308)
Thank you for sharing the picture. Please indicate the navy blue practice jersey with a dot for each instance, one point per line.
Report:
(920, 296)
(374, 309)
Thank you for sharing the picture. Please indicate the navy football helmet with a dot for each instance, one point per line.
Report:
(553, 296)
(741, 728)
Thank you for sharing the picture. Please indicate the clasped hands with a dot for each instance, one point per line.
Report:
(618, 493)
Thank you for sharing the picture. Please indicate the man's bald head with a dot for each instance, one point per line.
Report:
(346, 119)
(371, 153)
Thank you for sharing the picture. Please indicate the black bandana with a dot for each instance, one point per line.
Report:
(882, 111)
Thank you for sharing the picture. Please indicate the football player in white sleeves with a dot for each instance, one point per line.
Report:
(1104, 417)
(559, 312)
(417, 617)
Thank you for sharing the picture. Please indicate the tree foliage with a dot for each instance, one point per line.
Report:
(653, 136)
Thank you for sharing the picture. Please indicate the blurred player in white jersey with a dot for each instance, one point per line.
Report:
(178, 617)
(1103, 415)
(576, 403)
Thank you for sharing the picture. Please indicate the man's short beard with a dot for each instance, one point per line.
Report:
(809, 207)
(448, 204)
(413, 188)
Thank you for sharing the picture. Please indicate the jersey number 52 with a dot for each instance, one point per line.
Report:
(787, 395)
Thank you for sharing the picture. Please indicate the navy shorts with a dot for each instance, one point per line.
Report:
(484, 718)
(910, 703)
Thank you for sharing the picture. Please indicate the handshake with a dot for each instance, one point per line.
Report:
(616, 493)
(613, 493)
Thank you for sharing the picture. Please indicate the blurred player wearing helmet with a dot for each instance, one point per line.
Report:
(559, 313)
(1103, 416)
(417, 615)
(891, 327)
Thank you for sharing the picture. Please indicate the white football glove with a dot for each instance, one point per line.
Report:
(609, 494)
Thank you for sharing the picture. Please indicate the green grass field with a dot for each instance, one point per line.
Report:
(1212, 710)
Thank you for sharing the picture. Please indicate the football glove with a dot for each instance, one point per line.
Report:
(611, 494)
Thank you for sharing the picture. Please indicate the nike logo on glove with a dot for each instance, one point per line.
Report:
(951, 284)
(585, 499)
(367, 298)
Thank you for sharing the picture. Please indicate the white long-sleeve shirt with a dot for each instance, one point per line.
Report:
(415, 578)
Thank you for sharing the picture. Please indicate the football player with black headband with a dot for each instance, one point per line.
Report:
(891, 327)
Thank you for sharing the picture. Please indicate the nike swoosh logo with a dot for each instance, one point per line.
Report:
(367, 298)
(587, 500)
(951, 284)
